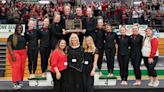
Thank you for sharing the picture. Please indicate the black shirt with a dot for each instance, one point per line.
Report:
(55, 34)
(123, 45)
(136, 44)
(88, 61)
(98, 37)
(75, 58)
(90, 25)
(110, 38)
(44, 36)
(21, 42)
(32, 39)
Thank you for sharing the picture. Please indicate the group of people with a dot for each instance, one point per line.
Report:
(75, 56)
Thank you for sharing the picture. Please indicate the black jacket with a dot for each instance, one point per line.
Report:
(110, 38)
(123, 44)
(136, 44)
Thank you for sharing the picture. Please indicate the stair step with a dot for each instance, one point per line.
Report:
(3, 48)
(3, 43)
(2, 60)
(2, 51)
(3, 56)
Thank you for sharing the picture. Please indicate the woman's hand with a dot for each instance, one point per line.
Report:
(58, 75)
(13, 58)
(92, 73)
(150, 60)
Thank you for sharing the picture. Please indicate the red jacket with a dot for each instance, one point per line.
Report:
(59, 60)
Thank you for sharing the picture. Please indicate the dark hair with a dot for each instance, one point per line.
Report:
(15, 36)
(17, 25)
(58, 43)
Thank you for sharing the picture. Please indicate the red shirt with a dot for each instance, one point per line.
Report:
(154, 47)
(59, 60)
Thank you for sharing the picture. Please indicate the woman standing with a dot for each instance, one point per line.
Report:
(32, 44)
(123, 42)
(110, 48)
(135, 53)
(90, 63)
(16, 45)
(150, 55)
(44, 36)
(58, 66)
(75, 65)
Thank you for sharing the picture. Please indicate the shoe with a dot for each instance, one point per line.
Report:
(156, 83)
(20, 84)
(150, 83)
(125, 83)
(122, 82)
(110, 75)
(137, 84)
(44, 75)
(16, 86)
(32, 76)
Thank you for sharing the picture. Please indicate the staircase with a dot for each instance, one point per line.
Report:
(2, 58)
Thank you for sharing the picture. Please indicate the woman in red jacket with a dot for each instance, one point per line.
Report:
(58, 66)
(150, 55)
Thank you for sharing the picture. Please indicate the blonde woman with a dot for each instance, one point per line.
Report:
(32, 43)
(44, 35)
(150, 55)
(75, 64)
(90, 63)
(123, 42)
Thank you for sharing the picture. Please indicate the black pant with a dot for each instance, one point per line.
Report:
(59, 85)
(123, 64)
(100, 58)
(32, 60)
(44, 52)
(74, 80)
(150, 67)
(136, 62)
(110, 54)
(88, 82)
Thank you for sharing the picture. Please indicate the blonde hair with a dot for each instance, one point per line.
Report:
(135, 26)
(70, 39)
(85, 46)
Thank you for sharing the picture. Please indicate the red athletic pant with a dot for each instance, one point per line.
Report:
(18, 66)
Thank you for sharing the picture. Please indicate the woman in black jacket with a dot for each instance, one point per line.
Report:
(110, 48)
(32, 37)
(123, 42)
(44, 35)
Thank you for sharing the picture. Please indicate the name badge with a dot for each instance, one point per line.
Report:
(86, 62)
(65, 63)
(74, 60)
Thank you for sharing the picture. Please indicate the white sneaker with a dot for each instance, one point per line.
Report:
(156, 83)
(44, 75)
(150, 83)
(32, 76)
(16, 86)
(20, 84)
(137, 84)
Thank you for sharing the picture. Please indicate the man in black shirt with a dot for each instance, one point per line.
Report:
(90, 23)
(98, 36)
(56, 32)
